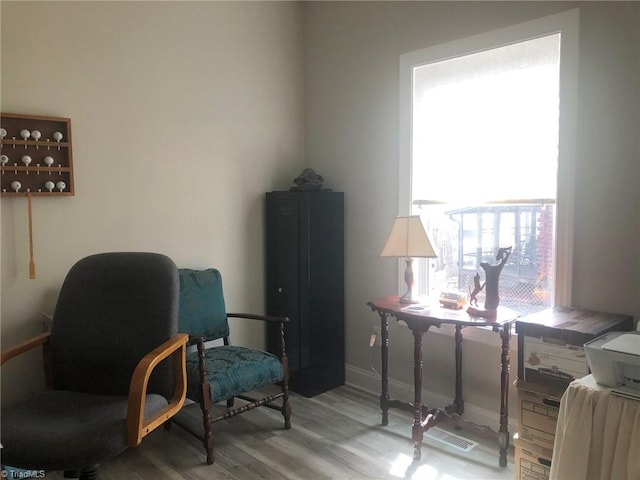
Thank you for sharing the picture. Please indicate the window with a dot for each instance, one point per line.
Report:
(486, 158)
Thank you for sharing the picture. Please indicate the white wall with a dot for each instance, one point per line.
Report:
(352, 55)
(183, 114)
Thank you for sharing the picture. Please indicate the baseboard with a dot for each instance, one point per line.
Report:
(370, 382)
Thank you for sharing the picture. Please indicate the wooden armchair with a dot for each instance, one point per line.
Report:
(114, 366)
(224, 372)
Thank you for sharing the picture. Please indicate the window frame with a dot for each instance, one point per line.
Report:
(565, 23)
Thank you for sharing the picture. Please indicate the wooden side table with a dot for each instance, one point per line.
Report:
(419, 322)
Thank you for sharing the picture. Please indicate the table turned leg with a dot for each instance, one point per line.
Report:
(418, 428)
(503, 434)
(384, 357)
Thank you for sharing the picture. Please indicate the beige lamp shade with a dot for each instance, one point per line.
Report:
(408, 238)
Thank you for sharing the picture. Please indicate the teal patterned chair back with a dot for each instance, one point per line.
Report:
(202, 310)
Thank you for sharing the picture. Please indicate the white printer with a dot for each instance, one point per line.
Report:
(614, 359)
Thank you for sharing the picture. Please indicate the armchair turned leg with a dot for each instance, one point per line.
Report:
(205, 402)
(286, 406)
(207, 439)
(209, 446)
(286, 410)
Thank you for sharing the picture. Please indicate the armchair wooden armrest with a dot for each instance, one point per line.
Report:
(137, 425)
(42, 339)
(252, 316)
(272, 319)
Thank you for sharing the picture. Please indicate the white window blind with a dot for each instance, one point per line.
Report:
(487, 152)
(485, 125)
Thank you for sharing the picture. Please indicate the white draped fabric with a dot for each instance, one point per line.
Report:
(597, 436)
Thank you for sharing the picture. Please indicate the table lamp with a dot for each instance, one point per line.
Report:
(408, 239)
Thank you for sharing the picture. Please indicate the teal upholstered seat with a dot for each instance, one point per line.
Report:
(232, 371)
(224, 372)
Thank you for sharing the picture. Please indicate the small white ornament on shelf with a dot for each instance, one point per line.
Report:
(16, 185)
(26, 159)
(57, 136)
(49, 185)
(24, 133)
(35, 134)
(61, 185)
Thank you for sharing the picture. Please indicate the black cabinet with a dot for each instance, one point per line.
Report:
(305, 282)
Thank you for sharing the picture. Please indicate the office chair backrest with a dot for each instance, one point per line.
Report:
(113, 308)
(202, 309)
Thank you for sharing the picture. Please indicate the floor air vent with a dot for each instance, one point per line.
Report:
(451, 439)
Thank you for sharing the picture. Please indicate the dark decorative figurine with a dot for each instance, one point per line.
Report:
(492, 277)
(477, 288)
(308, 180)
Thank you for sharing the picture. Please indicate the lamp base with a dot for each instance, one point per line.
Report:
(407, 299)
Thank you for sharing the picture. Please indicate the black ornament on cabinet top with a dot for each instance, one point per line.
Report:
(308, 180)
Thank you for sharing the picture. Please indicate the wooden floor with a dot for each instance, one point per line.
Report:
(335, 435)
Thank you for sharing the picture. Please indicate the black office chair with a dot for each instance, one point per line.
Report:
(114, 365)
